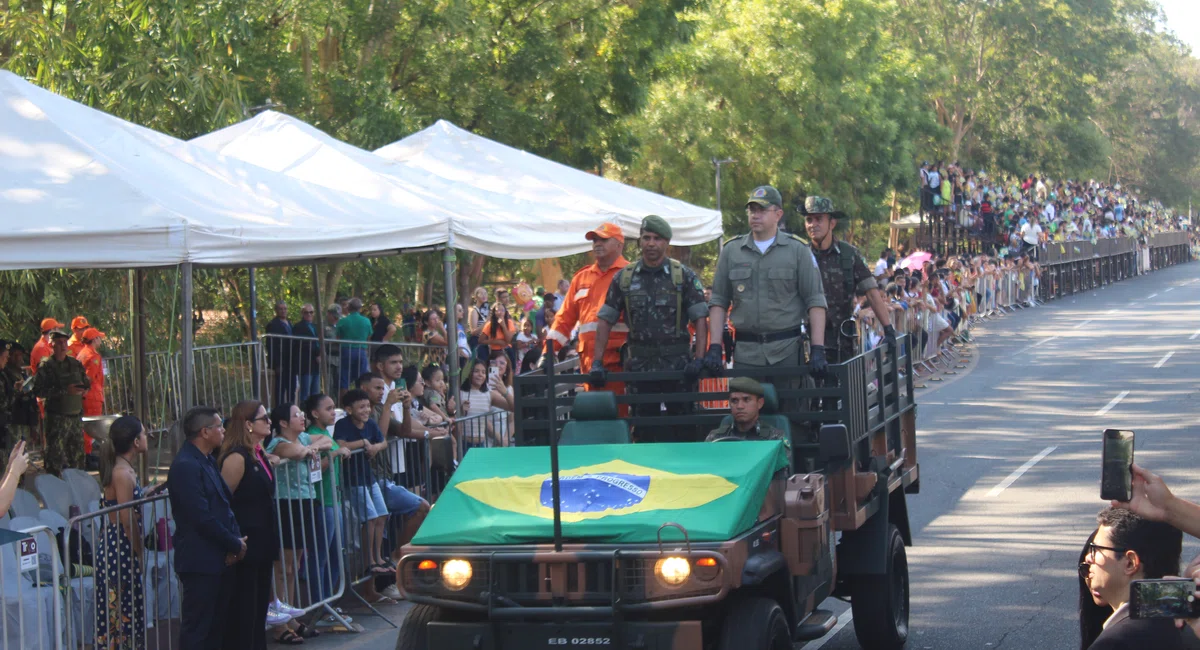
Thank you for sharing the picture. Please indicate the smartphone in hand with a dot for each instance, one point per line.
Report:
(1166, 598)
(1116, 477)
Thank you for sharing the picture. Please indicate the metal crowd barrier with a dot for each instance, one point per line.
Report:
(30, 575)
(107, 567)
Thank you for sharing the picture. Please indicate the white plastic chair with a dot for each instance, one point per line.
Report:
(55, 493)
(53, 520)
(25, 504)
(84, 488)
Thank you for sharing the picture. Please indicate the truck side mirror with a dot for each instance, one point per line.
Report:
(835, 444)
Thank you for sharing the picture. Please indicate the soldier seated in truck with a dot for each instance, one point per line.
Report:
(746, 400)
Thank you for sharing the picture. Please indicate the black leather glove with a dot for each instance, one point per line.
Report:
(691, 372)
(889, 336)
(817, 365)
(712, 360)
(598, 375)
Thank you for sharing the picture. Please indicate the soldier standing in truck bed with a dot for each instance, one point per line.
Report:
(843, 275)
(658, 296)
(768, 283)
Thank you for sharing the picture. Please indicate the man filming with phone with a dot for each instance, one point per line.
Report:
(1125, 548)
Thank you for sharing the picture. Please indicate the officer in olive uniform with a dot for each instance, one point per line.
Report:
(768, 282)
(659, 296)
(843, 275)
(62, 381)
(745, 403)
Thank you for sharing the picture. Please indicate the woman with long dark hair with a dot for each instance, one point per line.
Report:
(251, 481)
(301, 519)
(382, 328)
(120, 607)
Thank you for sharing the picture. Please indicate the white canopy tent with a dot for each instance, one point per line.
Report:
(81, 188)
(553, 205)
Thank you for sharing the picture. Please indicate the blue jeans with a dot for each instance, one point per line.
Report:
(354, 364)
(320, 563)
(309, 385)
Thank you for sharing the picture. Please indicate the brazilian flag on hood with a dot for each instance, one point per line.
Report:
(609, 493)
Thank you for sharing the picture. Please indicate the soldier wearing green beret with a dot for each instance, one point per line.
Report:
(659, 296)
(767, 281)
(62, 381)
(745, 403)
(844, 275)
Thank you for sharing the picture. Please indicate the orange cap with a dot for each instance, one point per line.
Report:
(92, 333)
(80, 322)
(50, 324)
(607, 230)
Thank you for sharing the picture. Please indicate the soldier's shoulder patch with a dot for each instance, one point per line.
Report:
(732, 239)
(799, 239)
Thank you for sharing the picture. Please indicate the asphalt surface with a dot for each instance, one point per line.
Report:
(995, 549)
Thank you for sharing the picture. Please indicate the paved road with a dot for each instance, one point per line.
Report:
(993, 561)
(996, 548)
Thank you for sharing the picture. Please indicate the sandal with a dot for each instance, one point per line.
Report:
(379, 569)
(308, 632)
(383, 600)
(289, 638)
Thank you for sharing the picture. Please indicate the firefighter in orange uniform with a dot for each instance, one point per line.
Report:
(93, 366)
(75, 345)
(586, 296)
(42, 348)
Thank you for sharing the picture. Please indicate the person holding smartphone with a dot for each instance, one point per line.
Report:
(1125, 548)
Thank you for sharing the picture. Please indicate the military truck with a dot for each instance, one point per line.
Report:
(597, 541)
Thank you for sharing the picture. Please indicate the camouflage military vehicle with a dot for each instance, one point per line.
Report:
(725, 545)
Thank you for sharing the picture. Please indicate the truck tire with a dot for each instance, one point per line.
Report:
(880, 603)
(413, 635)
(755, 624)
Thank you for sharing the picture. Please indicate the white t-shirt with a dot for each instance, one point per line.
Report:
(1031, 232)
(1050, 211)
(880, 267)
(763, 245)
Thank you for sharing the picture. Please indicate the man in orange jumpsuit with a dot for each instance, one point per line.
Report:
(93, 365)
(586, 296)
(42, 348)
(79, 325)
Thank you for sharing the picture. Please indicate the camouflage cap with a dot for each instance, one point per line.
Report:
(657, 225)
(765, 195)
(818, 205)
(56, 333)
(746, 385)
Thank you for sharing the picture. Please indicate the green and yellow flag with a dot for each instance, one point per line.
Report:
(609, 493)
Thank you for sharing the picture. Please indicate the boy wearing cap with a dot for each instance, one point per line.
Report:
(62, 382)
(585, 296)
(745, 403)
(658, 297)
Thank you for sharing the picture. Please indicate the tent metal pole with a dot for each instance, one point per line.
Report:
(254, 370)
(319, 323)
(137, 308)
(186, 377)
(448, 259)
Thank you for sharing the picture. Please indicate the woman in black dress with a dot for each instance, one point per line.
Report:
(382, 327)
(251, 479)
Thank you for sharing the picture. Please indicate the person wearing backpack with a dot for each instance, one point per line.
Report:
(658, 297)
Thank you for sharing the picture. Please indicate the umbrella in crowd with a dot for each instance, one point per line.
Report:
(916, 260)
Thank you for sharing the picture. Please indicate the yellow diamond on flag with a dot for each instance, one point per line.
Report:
(613, 488)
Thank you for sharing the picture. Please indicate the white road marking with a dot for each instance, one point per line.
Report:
(1108, 407)
(1193, 337)
(1113, 311)
(1169, 290)
(1153, 295)
(1030, 347)
(842, 622)
(1164, 359)
(1081, 324)
(1012, 478)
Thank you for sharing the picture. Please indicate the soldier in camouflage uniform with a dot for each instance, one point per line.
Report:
(23, 410)
(843, 275)
(745, 403)
(659, 296)
(62, 381)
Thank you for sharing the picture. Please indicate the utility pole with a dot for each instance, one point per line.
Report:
(717, 162)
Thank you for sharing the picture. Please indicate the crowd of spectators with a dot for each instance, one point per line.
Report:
(1012, 214)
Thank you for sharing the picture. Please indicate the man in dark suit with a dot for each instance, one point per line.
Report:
(1127, 548)
(207, 538)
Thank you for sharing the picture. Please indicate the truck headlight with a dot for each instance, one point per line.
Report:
(673, 571)
(456, 574)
